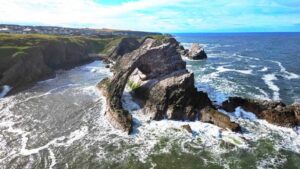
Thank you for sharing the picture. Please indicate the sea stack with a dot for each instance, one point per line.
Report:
(161, 83)
(196, 52)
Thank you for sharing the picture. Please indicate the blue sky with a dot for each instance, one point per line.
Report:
(158, 15)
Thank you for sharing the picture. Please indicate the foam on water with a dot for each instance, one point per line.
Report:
(221, 69)
(149, 137)
(264, 69)
(268, 79)
(286, 74)
(5, 90)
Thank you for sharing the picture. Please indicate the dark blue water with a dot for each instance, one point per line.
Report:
(256, 65)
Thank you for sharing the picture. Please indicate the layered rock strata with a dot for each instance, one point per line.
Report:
(161, 83)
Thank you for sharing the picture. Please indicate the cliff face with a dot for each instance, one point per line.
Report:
(25, 59)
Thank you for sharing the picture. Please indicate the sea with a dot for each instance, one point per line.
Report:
(59, 123)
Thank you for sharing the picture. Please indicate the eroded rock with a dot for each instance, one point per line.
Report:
(161, 83)
(211, 115)
(196, 52)
(274, 112)
(126, 45)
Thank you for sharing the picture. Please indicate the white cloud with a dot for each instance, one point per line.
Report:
(77, 12)
(150, 15)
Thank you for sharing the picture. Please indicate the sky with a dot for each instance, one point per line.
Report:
(170, 16)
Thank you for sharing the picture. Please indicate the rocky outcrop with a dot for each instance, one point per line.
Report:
(274, 112)
(126, 45)
(296, 108)
(183, 51)
(164, 86)
(187, 128)
(196, 52)
(210, 115)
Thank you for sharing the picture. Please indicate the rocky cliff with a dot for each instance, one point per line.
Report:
(165, 87)
(25, 59)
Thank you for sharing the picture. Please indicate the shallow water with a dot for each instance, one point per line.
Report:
(60, 123)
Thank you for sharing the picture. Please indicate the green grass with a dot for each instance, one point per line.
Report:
(133, 85)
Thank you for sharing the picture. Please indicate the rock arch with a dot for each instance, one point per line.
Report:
(167, 87)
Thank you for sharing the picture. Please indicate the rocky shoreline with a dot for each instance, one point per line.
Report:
(165, 89)
(152, 67)
(26, 59)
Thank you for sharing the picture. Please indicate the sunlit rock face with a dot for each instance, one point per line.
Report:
(196, 52)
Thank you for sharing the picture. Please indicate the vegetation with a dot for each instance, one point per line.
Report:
(10, 43)
(133, 85)
(160, 37)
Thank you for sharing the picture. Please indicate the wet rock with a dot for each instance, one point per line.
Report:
(187, 128)
(274, 112)
(210, 115)
(107, 66)
(197, 52)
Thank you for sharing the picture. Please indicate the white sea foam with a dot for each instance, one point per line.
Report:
(286, 74)
(5, 90)
(264, 69)
(240, 113)
(216, 96)
(52, 157)
(264, 96)
(269, 78)
(148, 134)
(223, 69)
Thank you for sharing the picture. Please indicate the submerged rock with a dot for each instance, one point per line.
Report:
(274, 112)
(161, 83)
(196, 52)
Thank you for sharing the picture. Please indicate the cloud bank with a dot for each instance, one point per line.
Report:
(160, 15)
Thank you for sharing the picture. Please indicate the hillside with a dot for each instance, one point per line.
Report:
(28, 58)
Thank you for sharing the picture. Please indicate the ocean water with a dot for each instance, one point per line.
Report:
(59, 123)
(257, 65)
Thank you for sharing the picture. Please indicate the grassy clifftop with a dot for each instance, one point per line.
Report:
(10, 43)
(27, 58)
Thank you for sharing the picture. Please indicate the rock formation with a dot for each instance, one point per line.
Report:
(187, 128)
(274, 112)
(26, 59)
(126, 45)
(196, 52)
(164, 86)
(210, 115)
(38, 62)
(183, 51)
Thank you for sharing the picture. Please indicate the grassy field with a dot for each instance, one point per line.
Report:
(11, 43)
